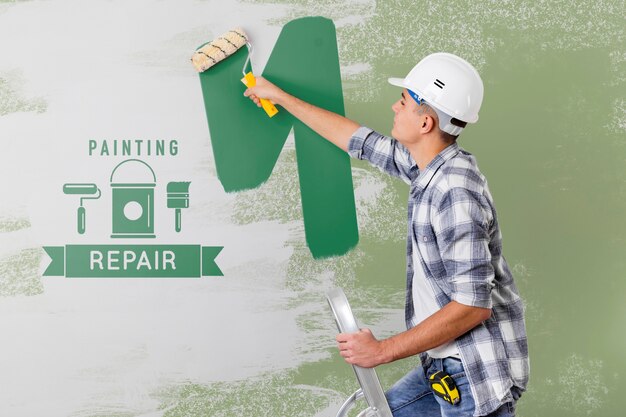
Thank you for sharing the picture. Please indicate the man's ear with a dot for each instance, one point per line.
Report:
(427, 123)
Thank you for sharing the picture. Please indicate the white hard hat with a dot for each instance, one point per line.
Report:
(450, 85)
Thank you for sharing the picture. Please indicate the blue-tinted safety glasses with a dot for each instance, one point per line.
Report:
(416, 97)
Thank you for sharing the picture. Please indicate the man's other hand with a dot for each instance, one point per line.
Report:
(362, 349)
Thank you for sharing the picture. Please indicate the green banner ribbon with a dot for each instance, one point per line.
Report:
(133, 261)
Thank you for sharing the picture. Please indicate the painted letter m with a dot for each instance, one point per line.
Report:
(246, 142)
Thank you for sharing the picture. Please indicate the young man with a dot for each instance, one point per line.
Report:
(463, 312)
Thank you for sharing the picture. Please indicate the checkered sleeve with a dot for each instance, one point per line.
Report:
(461, 225)
(383, 152)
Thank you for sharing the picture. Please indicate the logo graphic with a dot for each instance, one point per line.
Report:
(132, 182)
(177, 198)
(86, 190)
(132, 190)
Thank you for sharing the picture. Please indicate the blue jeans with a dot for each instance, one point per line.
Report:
(411, 396)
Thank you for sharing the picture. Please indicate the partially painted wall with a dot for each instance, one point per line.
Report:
(259, 340)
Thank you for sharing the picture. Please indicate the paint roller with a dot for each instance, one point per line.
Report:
(177, 198)
(221, 48)
(85, 189)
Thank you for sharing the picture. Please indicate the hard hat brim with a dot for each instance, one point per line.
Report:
(398, 82)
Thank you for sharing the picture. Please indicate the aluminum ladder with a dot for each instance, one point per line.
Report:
(370, 389)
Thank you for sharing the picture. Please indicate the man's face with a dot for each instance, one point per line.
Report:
(406, 120)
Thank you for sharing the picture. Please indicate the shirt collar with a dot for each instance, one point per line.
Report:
(427, 173)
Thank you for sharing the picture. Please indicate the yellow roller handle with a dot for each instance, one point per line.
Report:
(268, 106)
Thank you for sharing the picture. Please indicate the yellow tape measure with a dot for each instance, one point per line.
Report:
(268, 106)
(443, 386)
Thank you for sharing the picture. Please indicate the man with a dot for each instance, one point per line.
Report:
(463, 311)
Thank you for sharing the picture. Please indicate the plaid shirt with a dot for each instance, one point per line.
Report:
(453, 220)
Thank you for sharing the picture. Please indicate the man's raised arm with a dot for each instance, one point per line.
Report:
(331, 126)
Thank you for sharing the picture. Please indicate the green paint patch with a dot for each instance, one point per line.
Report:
(304, 391)
(11, 97)
(12, 224)
(328, 8)
(584, 391)
(306, 275)
(581, 386)
(373, 36)
(336, 375)
(269, 395)
(104, 412)
(550, 141)
(19, 274)
(278, 199)
(381, 204)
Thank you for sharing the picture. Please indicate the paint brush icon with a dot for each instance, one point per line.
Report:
(178, 198)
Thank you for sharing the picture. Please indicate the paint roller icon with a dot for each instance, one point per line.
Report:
(84, 190)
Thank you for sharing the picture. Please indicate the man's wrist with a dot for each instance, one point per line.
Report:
(281, 98)
(387, 348)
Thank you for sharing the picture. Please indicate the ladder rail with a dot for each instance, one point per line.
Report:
(371, 389)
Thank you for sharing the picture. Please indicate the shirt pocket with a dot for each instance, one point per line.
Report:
(428, 248)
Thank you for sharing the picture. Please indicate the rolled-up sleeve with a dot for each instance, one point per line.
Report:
(385, 153)
(461, 225)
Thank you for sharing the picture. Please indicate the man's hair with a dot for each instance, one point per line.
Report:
(426, 109)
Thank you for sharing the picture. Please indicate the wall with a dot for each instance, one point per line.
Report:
(259, 341)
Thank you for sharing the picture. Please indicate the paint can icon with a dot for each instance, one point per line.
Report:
(132, 184)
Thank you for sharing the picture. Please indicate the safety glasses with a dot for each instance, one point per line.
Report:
(416, 97)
